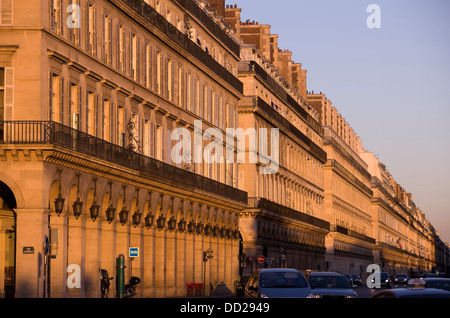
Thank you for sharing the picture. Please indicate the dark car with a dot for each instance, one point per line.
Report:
(349, 278)
(357, 279)
(385, 280)
(412, 293)
(277, 283)
(437, 282)
(401, 279)
(330, 285)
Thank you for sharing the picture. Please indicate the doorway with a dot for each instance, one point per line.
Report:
(7, 242)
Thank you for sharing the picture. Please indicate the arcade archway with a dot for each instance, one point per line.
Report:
(7, 241)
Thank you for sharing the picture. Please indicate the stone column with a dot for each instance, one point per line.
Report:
(32, 227)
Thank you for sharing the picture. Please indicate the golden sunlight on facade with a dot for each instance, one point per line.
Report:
(93, 97)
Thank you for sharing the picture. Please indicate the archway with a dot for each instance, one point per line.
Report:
(7, 241)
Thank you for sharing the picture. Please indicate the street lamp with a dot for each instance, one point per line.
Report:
(95, 208)
(59, 201)
(78, 204)
(149, 220)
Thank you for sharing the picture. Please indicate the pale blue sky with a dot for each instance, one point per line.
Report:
(391, 84)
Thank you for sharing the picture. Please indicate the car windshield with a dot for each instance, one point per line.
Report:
(282, 280)
(328, 282)
(384, 275)
(401, 275)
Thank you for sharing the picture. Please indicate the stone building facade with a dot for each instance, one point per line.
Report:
(284, 222)
(93, 95)
(95, 98)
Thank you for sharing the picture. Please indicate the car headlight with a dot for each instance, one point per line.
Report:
(264, 296)
(351, 296)
(316, 296)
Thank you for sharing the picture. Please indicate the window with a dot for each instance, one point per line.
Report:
(74, 28)
(2, 98)
(170, 80)
(56, 99)
(107, 39)
(121, 126)
(134, 56)
(91, 30)
(159, 140)
(56, 16)
(159, 73)
(91, 113)
(6, 16)
(147, 65)
(121, 49)
(74, 106)
(107, 124)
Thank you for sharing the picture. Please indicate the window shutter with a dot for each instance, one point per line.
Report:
(6, 12)
(9, 93)
(152, 139)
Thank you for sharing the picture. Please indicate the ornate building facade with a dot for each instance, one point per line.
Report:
(96, 96)
(284, 223)
(92, 96)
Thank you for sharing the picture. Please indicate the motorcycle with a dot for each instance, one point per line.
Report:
(130, 289)
(105, 282)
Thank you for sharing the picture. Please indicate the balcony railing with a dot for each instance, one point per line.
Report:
(282, 210)
(49, 132)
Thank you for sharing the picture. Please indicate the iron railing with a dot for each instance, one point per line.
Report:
(281, 210)
(49, 132)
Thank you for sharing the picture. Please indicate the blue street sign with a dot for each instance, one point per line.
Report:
(133, 252)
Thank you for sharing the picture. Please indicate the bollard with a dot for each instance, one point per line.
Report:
(120, 264)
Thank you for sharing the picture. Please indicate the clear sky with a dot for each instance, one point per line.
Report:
(391, 84)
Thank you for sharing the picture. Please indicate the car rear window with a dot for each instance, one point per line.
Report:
(282, 280)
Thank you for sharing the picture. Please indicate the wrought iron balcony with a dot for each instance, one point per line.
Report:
(281, 210)
(49, 132)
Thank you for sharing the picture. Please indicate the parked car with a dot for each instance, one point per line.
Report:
(412, 293)
(349, 278)
(357, 279)
(437, 282)
(385, 279)
(330, 285)
(277, 283)
(401, 279)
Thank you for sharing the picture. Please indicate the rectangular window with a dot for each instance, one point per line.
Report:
(159, 140)
(74, 29)
(169, 80)
(55, 98)
(134, 56)
(146, 138)
(91, 30)
(56, 16)
(121, 126)
(107, 39)
(121, 49)
(6, 12)
(106, 120)
(74, 106)
(91, 113)
(169, 146)
(158, 73)
(180, 87)
(147, 65)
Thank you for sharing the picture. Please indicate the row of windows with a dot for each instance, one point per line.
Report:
(286, 192)
(145, 62)
(104, 116)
